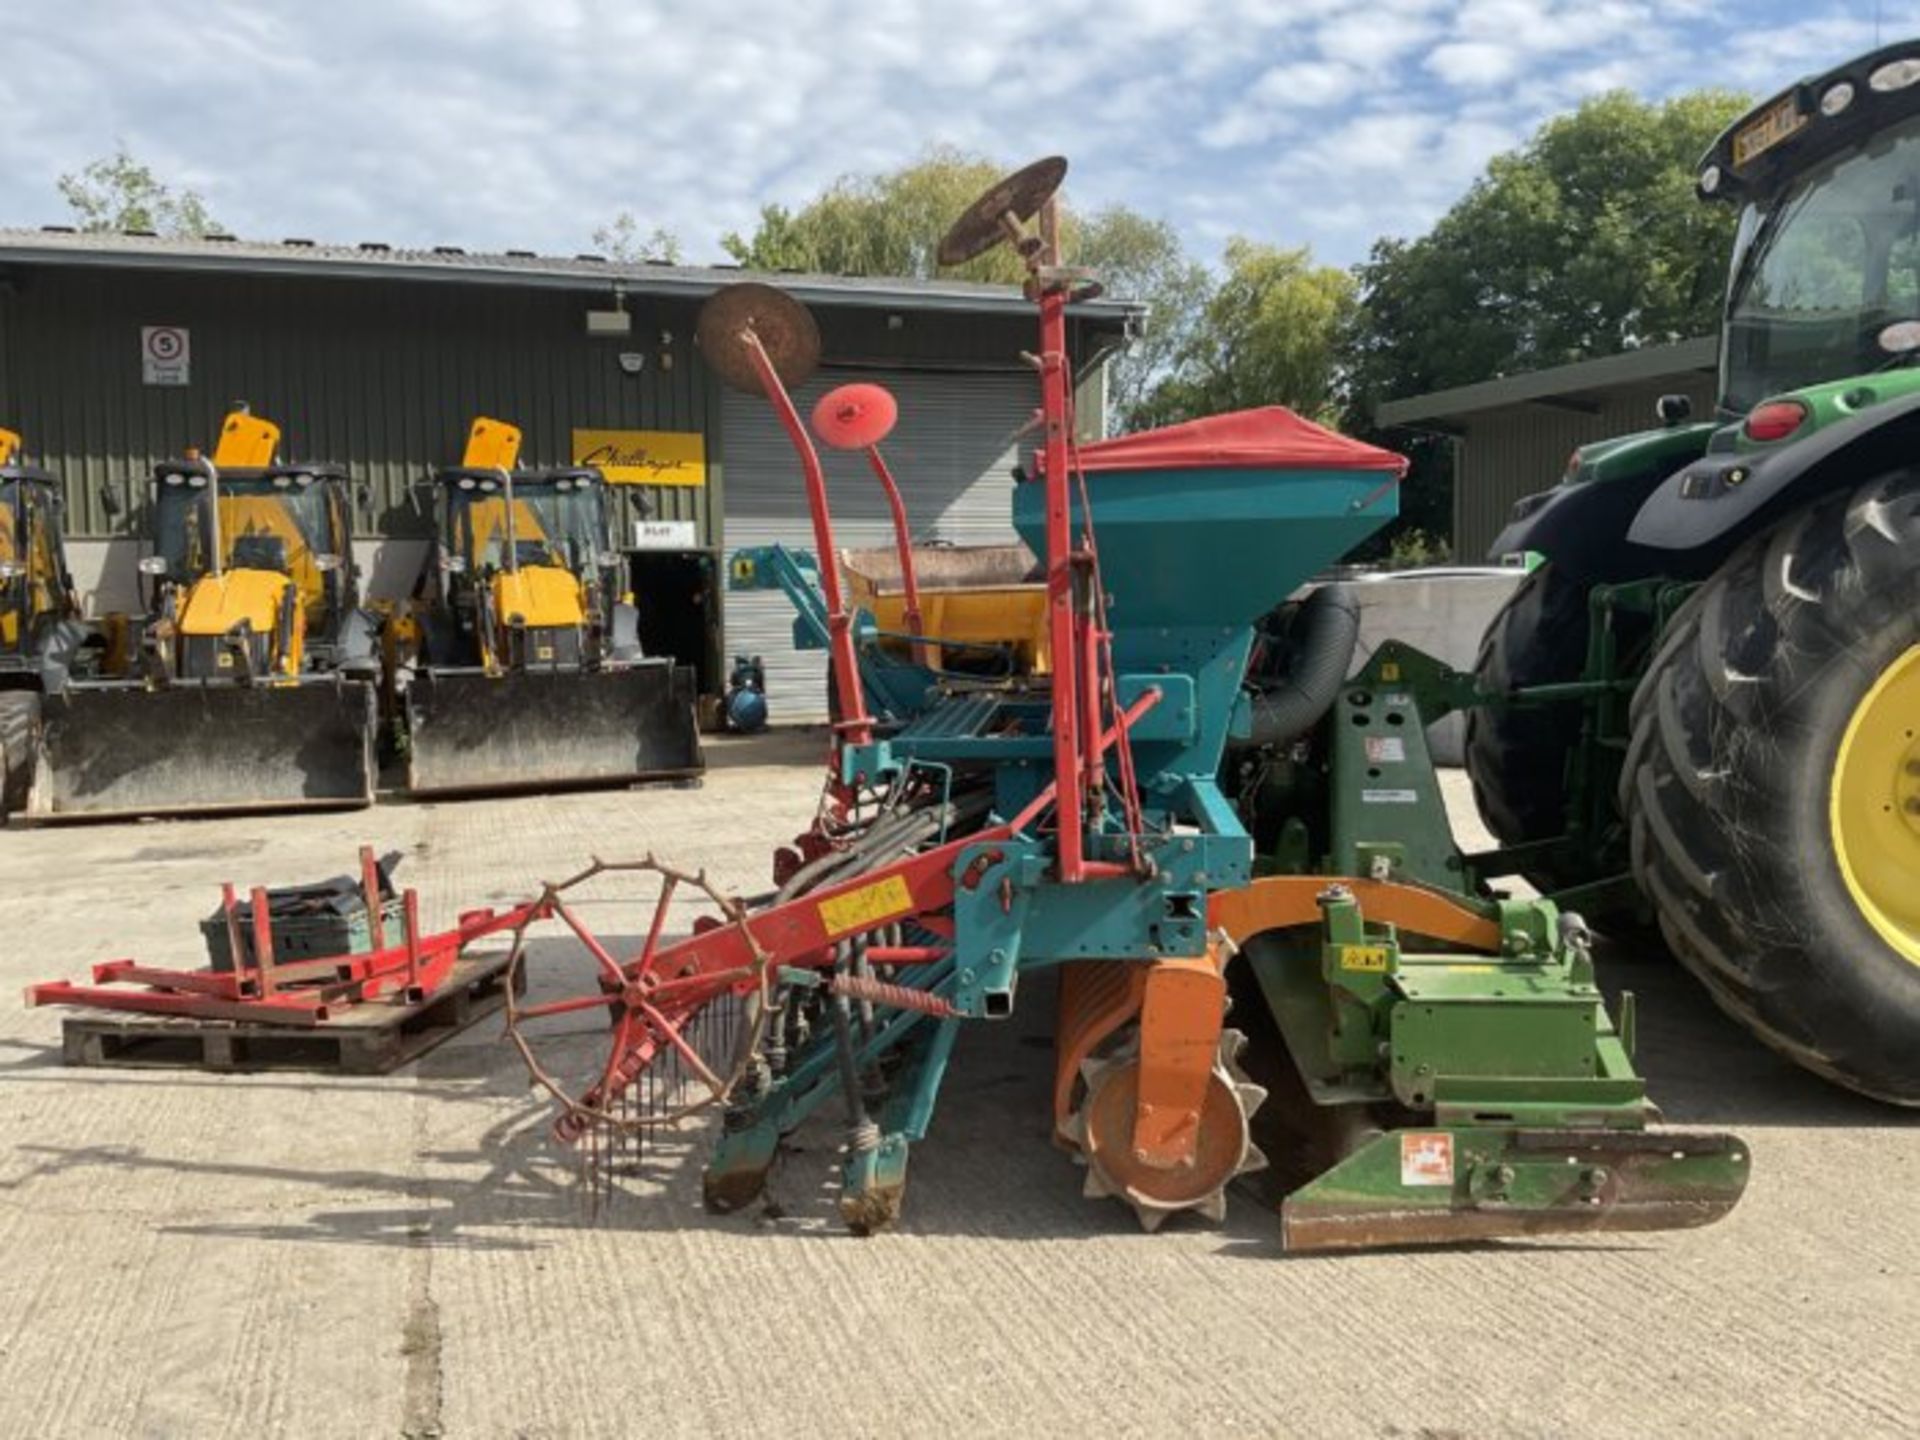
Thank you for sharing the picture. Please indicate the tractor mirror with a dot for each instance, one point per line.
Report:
(110, 504)
(363, 495)
(1673, 409)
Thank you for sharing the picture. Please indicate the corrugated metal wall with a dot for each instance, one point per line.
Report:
(1508, 454)
(382, 376)
(951, 454)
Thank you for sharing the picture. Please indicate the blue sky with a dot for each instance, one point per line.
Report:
(519, 125)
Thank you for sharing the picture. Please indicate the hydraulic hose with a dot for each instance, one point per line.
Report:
(1323, 635)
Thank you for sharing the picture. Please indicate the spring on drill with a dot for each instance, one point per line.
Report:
(900, 997)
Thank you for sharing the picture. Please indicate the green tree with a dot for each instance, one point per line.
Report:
(1138, 258)
(118, 193)
(891, 224)
(1586, 241)
(887, 224)
(623, 240)
(1267, 334)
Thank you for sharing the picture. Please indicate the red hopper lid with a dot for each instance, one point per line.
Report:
(1269, 438)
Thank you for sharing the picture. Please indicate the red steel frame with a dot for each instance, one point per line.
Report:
(903, 546)
(665, 985)
(1071, 675)
(855, 724)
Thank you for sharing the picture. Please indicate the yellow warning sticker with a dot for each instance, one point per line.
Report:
(866, 907)
(1390, 671)
(1371, 958)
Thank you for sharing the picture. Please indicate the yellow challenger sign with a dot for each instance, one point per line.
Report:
(644, 457)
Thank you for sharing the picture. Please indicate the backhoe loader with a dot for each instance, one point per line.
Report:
(248, 682)
(520, 664)
(40, 630)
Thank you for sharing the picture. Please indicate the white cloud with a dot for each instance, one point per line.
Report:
(495, 124)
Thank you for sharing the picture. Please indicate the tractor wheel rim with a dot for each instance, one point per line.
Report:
(1875, 805)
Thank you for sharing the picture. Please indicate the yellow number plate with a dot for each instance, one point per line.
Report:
(866, 907)
(1370, 958)
(1768, 131)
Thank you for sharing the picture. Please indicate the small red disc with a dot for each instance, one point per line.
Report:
(855, 417)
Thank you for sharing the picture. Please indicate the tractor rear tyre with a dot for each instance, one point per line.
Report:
(1517, 757)
(1773, 787)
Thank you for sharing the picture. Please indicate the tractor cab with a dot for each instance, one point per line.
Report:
(36, 592)
(528, 576)
(1825, 281)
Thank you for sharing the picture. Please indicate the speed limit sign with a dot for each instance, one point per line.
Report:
(166, 354)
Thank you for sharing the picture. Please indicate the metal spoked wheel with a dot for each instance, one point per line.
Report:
(679, 1041)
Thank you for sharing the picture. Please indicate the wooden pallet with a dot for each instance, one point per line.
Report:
(368, 1039)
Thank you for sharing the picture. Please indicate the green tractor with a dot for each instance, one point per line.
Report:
(1711, 717)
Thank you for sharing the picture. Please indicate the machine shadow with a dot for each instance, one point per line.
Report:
(1701, 1068)
(988, 1169)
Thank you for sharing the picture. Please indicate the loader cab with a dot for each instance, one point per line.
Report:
(35, 587)
(291, 520)
(559, 519)
(526, 551)
(1825, 278)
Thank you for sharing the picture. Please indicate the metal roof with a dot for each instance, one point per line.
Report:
(520, 268)
(1561, 383)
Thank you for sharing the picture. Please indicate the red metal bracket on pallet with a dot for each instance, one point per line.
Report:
(296, 992)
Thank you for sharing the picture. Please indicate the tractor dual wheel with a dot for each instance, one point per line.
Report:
(1773, 787)
(1517, 756)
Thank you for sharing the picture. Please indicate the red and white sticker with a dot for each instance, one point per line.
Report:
(1386, 750)
(1426, 1159)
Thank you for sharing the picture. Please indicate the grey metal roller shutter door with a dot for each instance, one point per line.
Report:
(952, 453)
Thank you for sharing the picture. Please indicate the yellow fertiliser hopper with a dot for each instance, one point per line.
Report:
(981, 600)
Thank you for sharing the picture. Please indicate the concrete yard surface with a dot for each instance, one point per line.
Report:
(186, 1254)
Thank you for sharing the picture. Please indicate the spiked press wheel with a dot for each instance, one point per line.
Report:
(1223, 1148)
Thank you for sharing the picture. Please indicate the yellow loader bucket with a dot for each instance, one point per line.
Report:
(538, 729)
(120, 749)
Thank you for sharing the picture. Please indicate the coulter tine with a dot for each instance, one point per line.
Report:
(1252, 1097)
(1214, 1207)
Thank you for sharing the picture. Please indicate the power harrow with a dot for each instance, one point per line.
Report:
(1169, 832)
